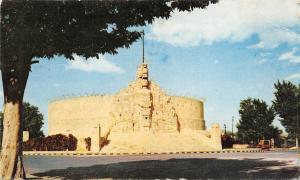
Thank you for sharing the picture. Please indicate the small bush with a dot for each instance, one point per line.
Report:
(88, 143)
(104, 142)
(227, 141)
(72, 143)
(35, 144)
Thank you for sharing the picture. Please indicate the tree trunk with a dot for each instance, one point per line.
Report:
(12, 165)
(14, 83)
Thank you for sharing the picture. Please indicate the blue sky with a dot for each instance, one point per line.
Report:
(230, 51)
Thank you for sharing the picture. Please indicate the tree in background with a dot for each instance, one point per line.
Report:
(43, 29)
(256, 121)
(33, 120)
(286, 105)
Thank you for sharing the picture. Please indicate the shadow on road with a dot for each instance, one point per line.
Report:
(179, 168)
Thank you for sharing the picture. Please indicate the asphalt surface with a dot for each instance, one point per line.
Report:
(275, 165)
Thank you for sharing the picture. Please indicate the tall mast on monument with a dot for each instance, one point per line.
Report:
(143, 56)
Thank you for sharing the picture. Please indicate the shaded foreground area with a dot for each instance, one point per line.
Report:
(180, 168)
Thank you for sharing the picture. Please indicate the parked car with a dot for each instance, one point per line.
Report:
(264, 144)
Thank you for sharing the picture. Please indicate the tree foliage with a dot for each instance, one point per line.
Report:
(46, 28)
(286, 105)
(256, 121)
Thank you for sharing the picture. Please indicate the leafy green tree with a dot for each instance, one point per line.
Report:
(32, 120)
(34, 29)
(256, 121)
(287, 106)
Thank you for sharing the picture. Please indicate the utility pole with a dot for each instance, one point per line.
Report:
(143, 56)
(297, 120)
(99, 131)
(232, 127)
(225, 128)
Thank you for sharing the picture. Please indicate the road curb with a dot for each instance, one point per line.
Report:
(75, 153)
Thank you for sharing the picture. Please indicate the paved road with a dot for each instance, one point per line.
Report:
(278, 165)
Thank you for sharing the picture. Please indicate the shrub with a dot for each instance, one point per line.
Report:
(72, 143)
(57, 142)
(227, 141)
(104, 142)
(88, 143)
(35, 144)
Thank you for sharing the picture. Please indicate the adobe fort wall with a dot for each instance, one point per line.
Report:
(79, 114)
(190, 111)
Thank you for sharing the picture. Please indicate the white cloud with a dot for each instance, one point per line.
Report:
(293, 76)
(234, 21)
(262, 61)
(93, 65)
(259, 45)
(290, 56)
